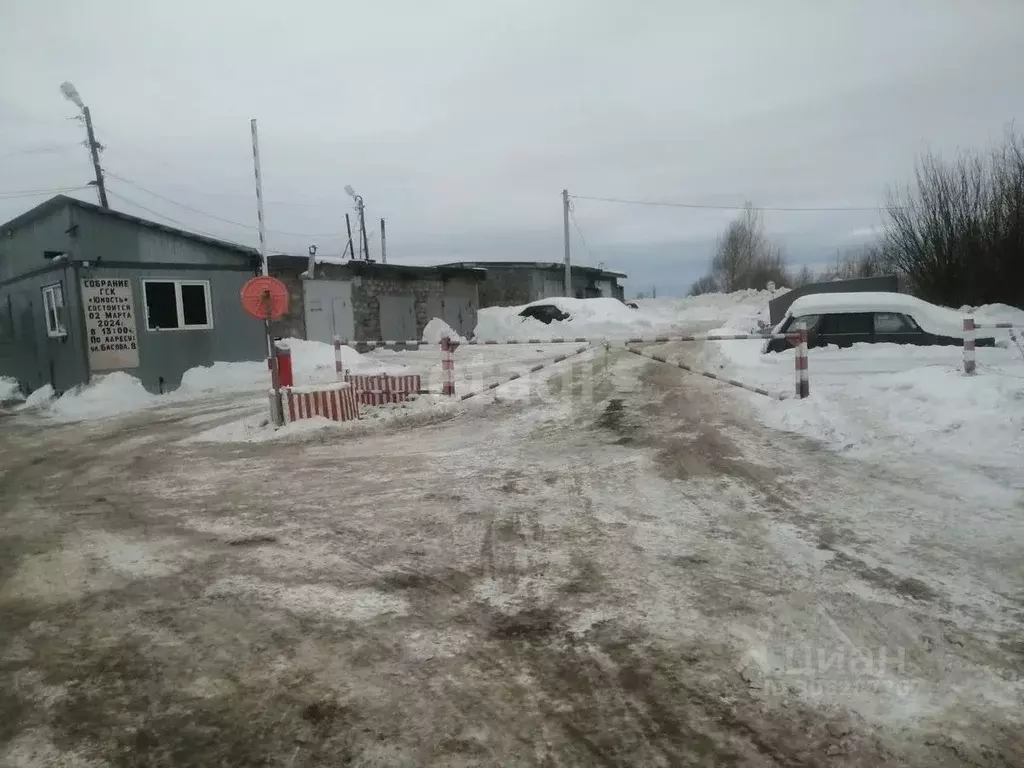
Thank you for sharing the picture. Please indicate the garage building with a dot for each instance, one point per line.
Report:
(367, 301)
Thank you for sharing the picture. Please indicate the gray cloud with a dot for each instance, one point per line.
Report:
(461, 121)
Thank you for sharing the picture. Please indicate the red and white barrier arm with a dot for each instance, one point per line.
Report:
(534, 369)
(557, 340)
(706, 374)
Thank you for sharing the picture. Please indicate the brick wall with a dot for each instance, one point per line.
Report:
(507, 287)
(429, 293)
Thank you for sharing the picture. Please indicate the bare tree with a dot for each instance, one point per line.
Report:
(745, 258)
(958, 233)
(705, 284)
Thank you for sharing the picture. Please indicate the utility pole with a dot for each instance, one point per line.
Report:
(94, 149)
(362, 229)
(361, 210)
(71, 94)
(348, 226)
(383, 244)
(565, 224)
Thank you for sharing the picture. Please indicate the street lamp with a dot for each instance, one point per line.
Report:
(71, 94)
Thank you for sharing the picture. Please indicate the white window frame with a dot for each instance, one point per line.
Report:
(53, 301)
(178, 304)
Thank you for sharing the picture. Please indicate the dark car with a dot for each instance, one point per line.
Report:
(844, 329)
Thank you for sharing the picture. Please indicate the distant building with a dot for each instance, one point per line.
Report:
(509, 283)
(86, 290)
(367, 301)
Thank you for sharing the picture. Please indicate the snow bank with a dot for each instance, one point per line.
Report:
(9, 390)
(890, 399)
(437, 329)
(120, 393)
(108, 395)
(39, 397)
(312, 362)
(611, 319)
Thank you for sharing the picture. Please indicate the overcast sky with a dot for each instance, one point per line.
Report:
(462, 121)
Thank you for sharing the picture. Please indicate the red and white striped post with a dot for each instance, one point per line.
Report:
(970, 365)
(448, 348)
(339, 366)
(803, 382)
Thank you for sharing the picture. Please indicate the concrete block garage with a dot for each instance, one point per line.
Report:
(367, 301)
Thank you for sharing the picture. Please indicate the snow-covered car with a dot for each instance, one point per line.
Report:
(544, 312)
(845, 319)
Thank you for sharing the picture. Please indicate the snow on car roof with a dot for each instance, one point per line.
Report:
(865, 301)
(932, 318)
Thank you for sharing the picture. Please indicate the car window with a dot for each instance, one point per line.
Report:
(839, 324)
(802, 323)
(891, 322)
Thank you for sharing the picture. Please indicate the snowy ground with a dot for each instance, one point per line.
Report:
(609, 562)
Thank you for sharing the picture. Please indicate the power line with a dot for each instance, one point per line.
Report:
(199, 212)
(572, 218)
(165, 217)
(12, 194)
(42, 149)
(703, 206)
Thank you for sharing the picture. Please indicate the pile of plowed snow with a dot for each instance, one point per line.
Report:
(612, 319)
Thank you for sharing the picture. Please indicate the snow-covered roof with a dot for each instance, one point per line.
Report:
(931, 318)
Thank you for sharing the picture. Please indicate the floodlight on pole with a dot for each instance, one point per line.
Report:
(71, 94)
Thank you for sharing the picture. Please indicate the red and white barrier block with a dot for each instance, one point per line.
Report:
(383, 388)
(336, 402)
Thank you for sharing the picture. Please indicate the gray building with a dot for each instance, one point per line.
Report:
(510, 283)
(87, 290)
(367, 301)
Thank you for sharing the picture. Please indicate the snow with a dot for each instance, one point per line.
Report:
(611, 319)
(931, 318)
(120, 393)
(876, 400)
(39, 397)
(258, 429)
(437, 329)
(107, 395)
(9, 390)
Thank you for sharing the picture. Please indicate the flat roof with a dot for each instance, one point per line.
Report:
(59, 201)
(537, 265)
(360, 267)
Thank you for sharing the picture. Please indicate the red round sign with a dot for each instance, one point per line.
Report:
(265, 297)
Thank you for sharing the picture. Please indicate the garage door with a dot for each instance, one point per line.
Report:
(397, 318)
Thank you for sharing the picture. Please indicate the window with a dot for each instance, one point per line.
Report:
(53, 306)
(848, 323)
(891, 322)
(177, 305)
(802, 323)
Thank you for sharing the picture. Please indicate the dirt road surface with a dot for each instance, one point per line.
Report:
(627, 571)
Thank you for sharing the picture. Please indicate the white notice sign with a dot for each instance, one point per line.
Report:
(110, 323)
